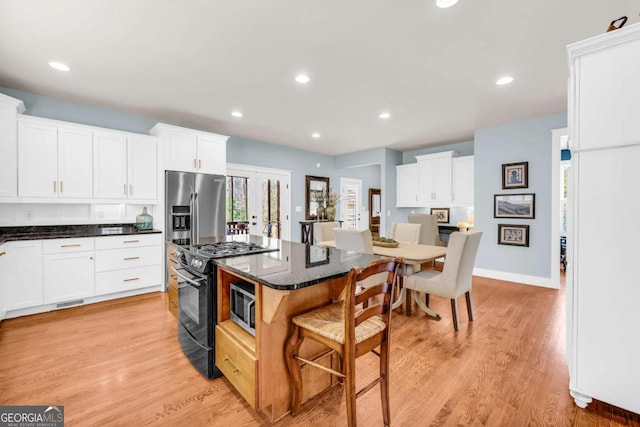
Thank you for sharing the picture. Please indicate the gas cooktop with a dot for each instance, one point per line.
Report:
(229, 249)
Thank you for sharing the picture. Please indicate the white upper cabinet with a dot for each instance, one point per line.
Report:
(125, 166)
(37, 160)
(110, 165)
(75, 151)
(407, 185)
(434, 178)
(188, 150)
(53, 162)
(9, 108)
(212, 154)
(143, 167)
(462, 181)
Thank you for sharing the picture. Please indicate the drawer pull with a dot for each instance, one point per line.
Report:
(70, 246)
(131, 280)
(131, 241)
(131, 257)
(172, 261)
(233, 365)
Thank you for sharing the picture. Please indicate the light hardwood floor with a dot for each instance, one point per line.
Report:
(119, 363)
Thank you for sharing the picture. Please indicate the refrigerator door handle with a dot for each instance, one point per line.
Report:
(193, 222)
(196, 218)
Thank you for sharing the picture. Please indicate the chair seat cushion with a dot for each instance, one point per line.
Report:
(429, 282)
(328, 321)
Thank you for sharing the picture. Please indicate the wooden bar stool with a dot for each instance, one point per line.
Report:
(350, 331)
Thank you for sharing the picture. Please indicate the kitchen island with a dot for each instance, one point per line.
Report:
(295, 279)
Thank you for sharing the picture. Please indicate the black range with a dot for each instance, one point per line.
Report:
(197, 302)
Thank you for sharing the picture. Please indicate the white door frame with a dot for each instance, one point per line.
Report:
(556, 136)
(236, 169)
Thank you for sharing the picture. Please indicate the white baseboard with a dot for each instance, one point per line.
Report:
(545, 282)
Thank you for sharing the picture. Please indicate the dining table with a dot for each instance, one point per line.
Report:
(414, 255)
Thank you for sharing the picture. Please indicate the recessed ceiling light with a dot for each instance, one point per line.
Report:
(59, 66)
(384, 115)
(504, 80)
(302, 78)
(236, 114)
(445, 3)
(315, 135)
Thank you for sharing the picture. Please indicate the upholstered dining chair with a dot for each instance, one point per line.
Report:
(405, 232)
(350, 331)
(353, 240)
(323, 231)
(455, 278)
(429, 233)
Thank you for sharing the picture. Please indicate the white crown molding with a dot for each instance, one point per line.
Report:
(13, 102)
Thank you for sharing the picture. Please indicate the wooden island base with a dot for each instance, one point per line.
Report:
(255, 365)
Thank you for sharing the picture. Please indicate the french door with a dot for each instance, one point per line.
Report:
(351, 202)
(260, 200)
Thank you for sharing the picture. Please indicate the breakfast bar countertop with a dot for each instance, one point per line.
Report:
(295, 265)
(40, 232)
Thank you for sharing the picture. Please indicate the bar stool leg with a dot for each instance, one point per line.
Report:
(293, 346)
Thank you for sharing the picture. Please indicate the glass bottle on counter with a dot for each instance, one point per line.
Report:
(144, 221)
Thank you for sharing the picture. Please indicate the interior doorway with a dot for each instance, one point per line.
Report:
(559, 195)
(351, 203)
(259, 201)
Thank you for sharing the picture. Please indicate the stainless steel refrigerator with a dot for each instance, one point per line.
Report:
(195, 206)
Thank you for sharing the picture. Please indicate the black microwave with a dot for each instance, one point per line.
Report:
(243, 306)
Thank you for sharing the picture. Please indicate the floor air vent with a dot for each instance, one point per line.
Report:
(69, 303)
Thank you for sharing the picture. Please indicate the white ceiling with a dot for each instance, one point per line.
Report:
(192, 62)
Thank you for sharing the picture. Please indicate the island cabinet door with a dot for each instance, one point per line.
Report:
(237, 364)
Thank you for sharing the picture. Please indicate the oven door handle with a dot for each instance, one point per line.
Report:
(193, 282)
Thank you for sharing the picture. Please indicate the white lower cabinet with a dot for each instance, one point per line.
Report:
(68, 269)
(23, 268)
(37, 274)
(3, 282)
(125, 263)
(68, 277)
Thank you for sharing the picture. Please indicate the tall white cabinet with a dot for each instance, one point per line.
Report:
(603, 286)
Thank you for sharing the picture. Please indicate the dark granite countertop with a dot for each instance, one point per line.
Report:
(39, 232)
(294, 266)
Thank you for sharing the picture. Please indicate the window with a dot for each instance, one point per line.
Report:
(271, 207)
(237, 201)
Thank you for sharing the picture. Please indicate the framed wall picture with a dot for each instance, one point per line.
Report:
(514, 206)
(441, 214)
(514, 235)
(515, 175)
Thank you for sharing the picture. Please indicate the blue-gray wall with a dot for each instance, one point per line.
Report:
(515, 142)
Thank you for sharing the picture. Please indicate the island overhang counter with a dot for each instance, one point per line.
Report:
(292, 280)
